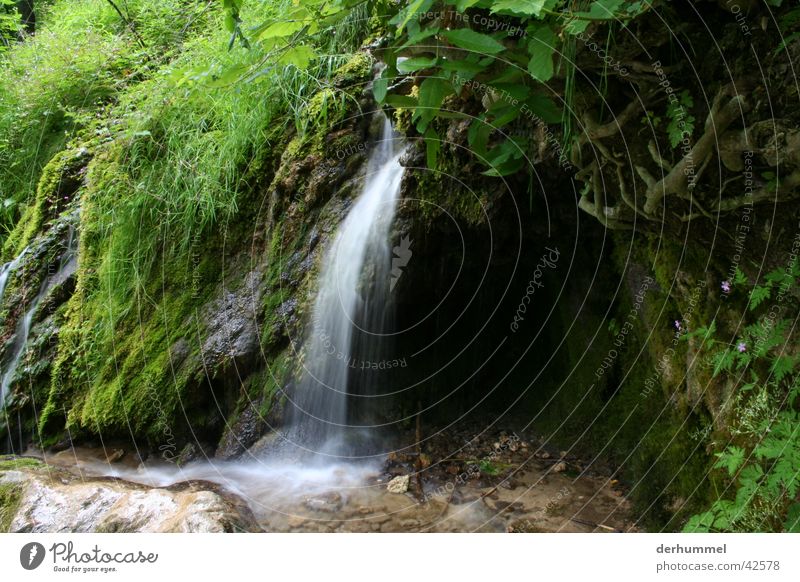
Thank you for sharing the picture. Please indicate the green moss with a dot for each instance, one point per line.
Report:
(355, 71)
(17, 463)
(10, 497)
(49, 200)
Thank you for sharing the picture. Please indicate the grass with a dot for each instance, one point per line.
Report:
(179, 134)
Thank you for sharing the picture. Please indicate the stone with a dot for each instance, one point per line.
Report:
(328, 502)
(559, 467)
(54, 500)
(116, 456)
(398, 484)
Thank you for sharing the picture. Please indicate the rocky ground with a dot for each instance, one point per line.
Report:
(465, 480)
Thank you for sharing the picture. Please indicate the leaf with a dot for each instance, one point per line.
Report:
(299, 56)
(730, 459)
(544, 108)
(281, 29)
(410, 12)
(431, 94)
(542, 46)
(401, 101)
(602, 9)
(782, 366)
(723, 361)
(419, 36)
(462, 5)
(758, 295)
(379, 88)
(432, 144)
(792, 524)
(473, 41)
(415, 64)
(524, 7)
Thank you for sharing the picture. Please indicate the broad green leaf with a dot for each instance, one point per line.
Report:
(792, 524)
(432, 145)
(431, 94)
(423, 34)
(541, 47)
(410, 12)
(524, 7)
(462, 5)
(474, 41)
(602, 9)
(542, 107)
(281, 29)
(299, 56)
(400, 101)
(415, 64)
(379, 88)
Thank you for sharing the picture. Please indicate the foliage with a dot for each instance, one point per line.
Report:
(762, 462)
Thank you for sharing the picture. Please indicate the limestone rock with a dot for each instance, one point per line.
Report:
(398, 484)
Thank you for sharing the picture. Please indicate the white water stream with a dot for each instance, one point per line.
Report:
(353, 293)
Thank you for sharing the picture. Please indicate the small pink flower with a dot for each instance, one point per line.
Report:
(678, 325)
(742, 347)
(726, 286)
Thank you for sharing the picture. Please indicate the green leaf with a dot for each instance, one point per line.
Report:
(782, 367)
(792, 524)
(474, 41)
(379, 88)
(415, 64)
(418, 37)
(299, 56)
(544, 108)
(730, 459)
(462, 5)
(541, 47)
(432, 145)
(280, 29)
(758, 295)
(602, 9)
(400, 101)
(410, 12)
(524, 7)
(431, 94)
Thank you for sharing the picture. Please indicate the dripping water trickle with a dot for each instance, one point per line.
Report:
(23, 329)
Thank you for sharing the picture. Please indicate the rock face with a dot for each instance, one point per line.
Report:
(52, 500)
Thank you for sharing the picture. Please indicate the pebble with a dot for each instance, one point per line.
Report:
(398, 484)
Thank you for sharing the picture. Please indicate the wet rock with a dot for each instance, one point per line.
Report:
(559, 467)
(398, 484)
(231, 326)
(242, 434)
(328, 502)
(115, 456)
(193, 452)
(53, 500)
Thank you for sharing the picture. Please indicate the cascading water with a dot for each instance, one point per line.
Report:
(351, 307)
(22, 332)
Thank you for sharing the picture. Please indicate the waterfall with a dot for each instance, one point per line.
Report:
(349, 311)
(23, 329)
